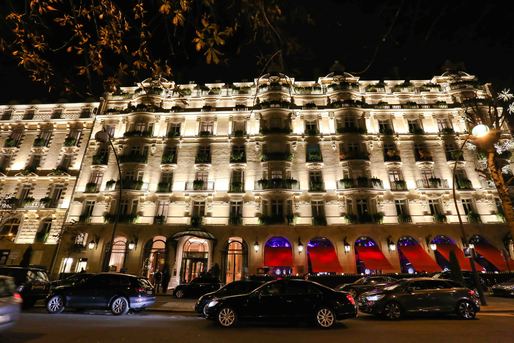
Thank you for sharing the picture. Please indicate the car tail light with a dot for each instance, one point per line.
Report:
(350, 299)
(472, 293)
(17, 297)
(140, 290)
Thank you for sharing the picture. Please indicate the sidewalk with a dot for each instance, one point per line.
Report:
(168, 303)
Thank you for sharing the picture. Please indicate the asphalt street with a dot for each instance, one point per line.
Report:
(91, 327)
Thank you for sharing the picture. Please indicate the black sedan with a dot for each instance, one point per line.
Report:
(284, 300)
(504, 289)
(197, 287)
(365, 284)
(114, 291)
(233, 288)
(421, 295)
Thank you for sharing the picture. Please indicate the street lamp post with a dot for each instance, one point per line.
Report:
(478, 131)
(104, 137)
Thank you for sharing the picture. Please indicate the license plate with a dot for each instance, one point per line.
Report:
(149, 292)
(4, 318)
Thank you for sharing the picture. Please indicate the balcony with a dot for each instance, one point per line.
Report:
(276, 156)
(134, 158)
(41, 236)
(432, 183)
(447, 131)
(474, 218)
(130, 218)
(367, 218)
(205, 133)
(11, 143)
(238, 157)
(159, 219)
(311, 132)
(164, 187)
(316, 186)
(264, 184)
(200, 185)
(404, 218)
(314, 157)
(196, 221)
(386, 131)
(136, 185)
(100, 159)
(439, 218)
(173, 134)
(392, 156)
(70, 141)
(422, 156)
(463, 183)
(319, 220)
(452, 156)
(92, 187)
(354, 155)
(239, 133)
(399, 185)
(351, 129)
(360, 182)
(276, 219)
(203, 159)
(236, 187)
(416, 130)
(169, 158)
(40, 142)
(235, 219)
(272, 130)
(137, 133)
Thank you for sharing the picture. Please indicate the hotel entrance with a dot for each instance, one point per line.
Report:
(195, 258)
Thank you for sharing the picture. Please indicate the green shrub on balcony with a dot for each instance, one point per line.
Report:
(238, 133)
(270, 220)
(351, 218)
(265, 130)
(386, 131)
(319, 220)
(29, 169)
(439, 218)
(236, 187)
(91, 187)
(376, 182)
(11, 143)
(132, 184)
(311, 132)
(110, 184)
(203, 158)
(134, 158)
(391, 155)
(316, 186)
(137, 133)
(164, 187)
(198, 184)
(45, 201)
(169, 158)
(276, 156)
(314, 157)
(351, 129)
(100, 159)
(70, 141)
(196, 221)
(84, 218)
(404, 218)
(416, 130)
(26, 201)
(447, 130)
(11, 202)
(474, 217)
(400, 185)
(205, 133)
(434, 182)
(173, 134)
(41, 236)
(39, 142)
(237, 157)
(346, 182)
(464, 183)
(235, 220)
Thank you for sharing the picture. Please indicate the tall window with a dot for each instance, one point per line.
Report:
(402, 207)
(66, 161)
(162, 208)
(16, 135)
(10, 227)
(45, 135)
(467, 204)
(56, 195)
(75, 133)
(134, 206)
(277, 208)
(414, 125)
(236, 208)
(435, 206)
(395, 175)
(35, 162)
(202, 175)
(206, 127)
(362, 207)
(96, 177)
(198, 208)
(88, 208)
(311, 126)
(443, 123)
(427, 174)
(238, 127)
(385, 126)
(318, 208)
(349, 206)
(24, 192)
(313, 152)
(173, 129)
(5, 161)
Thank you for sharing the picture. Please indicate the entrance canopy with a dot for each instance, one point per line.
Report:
(322, 256)
(194, 233)
(373, 258)
(419, 259)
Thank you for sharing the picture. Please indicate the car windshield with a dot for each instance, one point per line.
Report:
(361, 281)
(394, 286)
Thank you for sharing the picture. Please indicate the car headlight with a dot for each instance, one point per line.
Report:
(375, 297)
(213, 303)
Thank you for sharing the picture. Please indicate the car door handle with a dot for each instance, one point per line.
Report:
(289, 300)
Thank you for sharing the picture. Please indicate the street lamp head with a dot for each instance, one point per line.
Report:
(102, 136)
(480, 130)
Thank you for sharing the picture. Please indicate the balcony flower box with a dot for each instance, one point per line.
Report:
(198, 184)
(159, 220)
(70, 141)
(109, 185)
(11, 143)
(91, 187)
(39, 142)
(235, 220)
(45, 201)
(439, 218)
(319, 220)
(164, 187)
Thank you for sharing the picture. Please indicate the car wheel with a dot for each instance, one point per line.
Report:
(392, 311)
(466, 310)
(227, 317)
(325, 318)
(55, 304)
(119, 306)
(179, 294)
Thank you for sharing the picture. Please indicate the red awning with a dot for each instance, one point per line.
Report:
(492, 255)
(373, 258)
(419, 259)
(278, 257)
(324, 259)
(444, 249)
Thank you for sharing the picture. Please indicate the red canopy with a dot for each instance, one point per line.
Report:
(492, 255)
(419, 259)
(324, 259)
(373, 258)
(444, 249)
(278, 257)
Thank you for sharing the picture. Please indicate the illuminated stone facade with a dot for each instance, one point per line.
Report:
(211, 173)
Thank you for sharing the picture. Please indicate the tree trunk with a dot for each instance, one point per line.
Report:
(502, 188)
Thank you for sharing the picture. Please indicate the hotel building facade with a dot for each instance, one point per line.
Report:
(338, 175)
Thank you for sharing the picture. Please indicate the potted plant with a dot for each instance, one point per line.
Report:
(346, 182)
(70, 141)
(45, 201)
(110, 184)
(198, 184)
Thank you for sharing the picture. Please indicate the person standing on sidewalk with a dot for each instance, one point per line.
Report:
(157, 279)
(166, 276)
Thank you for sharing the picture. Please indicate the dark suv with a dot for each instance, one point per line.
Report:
(197, 287)
(31, 282)
(114, 291)
(421, 295)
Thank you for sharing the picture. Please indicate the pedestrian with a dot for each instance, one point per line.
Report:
(166, 276)
(157, 279)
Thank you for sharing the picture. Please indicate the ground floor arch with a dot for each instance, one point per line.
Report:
(278, 256)
(235, 260)
(489, 256)
(445, 246)
(369, 257)
(322, 256)
(155, 257)
(413, 258)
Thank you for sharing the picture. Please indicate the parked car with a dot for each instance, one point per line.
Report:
(504, 289)
(469, 281)
(10, 303)
(284, 300)
(197, 287)
(365, 284)
(71, 279)
(420, 295)
(114, 291)
(32, 283)
(233, 288)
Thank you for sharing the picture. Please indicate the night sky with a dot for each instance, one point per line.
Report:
(409, 39)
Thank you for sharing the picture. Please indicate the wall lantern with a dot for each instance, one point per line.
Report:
(91, 245)
(347, 246)
(390, 244)
(256, 246)
(132, 245)
(300, 246)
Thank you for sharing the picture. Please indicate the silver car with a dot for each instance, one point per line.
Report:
(10, 303)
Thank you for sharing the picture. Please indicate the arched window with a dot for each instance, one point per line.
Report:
(322, 256)
(118, 254)
(278, 256)
(369, 257)
(195, 258)
(155, 255)
(10, 227)
(414, 258)
(235, 260)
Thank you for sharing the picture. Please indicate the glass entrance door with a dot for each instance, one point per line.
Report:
(193, 264)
